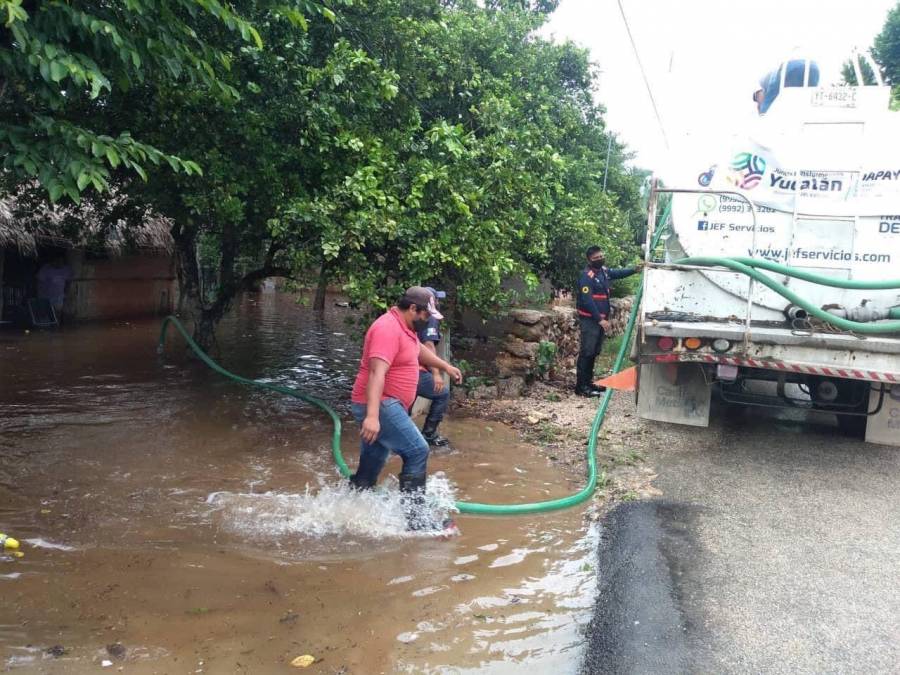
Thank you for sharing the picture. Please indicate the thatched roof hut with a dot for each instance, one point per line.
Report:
(90, 226)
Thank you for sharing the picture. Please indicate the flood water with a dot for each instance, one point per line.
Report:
(203, 526)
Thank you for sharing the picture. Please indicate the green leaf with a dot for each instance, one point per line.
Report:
(257, 40)
(83, 180)
(328, 14)
(112, 156)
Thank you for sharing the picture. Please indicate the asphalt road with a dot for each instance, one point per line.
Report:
(775, 549)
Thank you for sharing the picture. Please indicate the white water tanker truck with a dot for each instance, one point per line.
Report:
(777, 279)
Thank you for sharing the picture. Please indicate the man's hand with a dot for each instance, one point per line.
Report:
(455, 374)
(604, 324)
(370, 429)
(438, 380)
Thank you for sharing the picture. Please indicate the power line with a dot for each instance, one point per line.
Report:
(637, 57)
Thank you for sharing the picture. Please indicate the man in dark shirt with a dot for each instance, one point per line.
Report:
(592, 303)
(431, 380)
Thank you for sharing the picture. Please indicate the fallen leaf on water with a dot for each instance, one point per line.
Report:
(304, 661)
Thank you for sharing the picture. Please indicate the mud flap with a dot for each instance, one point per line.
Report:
(674, 393)
(884, 428)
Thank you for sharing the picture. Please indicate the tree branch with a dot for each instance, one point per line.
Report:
(249, 278)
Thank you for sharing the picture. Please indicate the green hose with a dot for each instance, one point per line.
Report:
(464, 507)
(815, 278)
(287, 391)
(744, 268)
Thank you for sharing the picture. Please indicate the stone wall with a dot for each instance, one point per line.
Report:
(520, 355)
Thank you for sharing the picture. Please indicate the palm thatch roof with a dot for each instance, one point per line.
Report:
(110, 225)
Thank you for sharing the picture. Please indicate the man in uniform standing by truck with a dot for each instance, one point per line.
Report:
(592, 304)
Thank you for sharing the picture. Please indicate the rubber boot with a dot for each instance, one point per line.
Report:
(434, 439)
(412, 485)
(585, 371)
(361, 482)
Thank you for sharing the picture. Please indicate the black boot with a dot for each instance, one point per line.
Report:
(434, 439)
(584, 369)
(417, 515)
(361, 483)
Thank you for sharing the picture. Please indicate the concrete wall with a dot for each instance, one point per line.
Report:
(123, 287)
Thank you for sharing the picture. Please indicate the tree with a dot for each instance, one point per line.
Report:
(887, 46)
(388, 143)
(60, 63)
(886, 53)
(299, 100)
(488, 163)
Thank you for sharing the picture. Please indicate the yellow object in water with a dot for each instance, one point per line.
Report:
(8, 542)
(304, 661)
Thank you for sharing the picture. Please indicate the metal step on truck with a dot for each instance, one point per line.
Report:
(775, 280)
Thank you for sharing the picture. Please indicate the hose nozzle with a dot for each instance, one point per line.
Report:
(793, 312)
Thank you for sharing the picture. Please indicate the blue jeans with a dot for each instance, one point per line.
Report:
(398, 433)
(438, 401)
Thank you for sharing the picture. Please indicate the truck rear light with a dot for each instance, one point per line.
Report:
(726, 373)
(692, 343)
(666, 343)
(721, 345)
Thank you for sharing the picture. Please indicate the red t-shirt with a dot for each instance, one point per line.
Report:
(390, 340)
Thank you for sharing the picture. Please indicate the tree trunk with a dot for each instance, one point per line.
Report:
(191, 302)
(321, 288)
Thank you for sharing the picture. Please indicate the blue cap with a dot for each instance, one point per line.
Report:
(440, 295)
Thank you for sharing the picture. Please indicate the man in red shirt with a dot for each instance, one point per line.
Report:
(385, 390)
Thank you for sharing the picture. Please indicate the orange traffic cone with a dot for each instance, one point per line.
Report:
(624, 380)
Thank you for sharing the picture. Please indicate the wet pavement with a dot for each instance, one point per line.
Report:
(774, 549)
(176, 522)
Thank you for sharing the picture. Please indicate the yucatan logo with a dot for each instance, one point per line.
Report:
(747, 170)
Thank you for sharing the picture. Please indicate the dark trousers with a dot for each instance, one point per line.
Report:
(591, 343)
(439, 402)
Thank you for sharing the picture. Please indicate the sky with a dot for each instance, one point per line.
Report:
(703, 58)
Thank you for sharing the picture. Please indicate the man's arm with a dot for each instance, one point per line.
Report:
(371, 427)
(622, 272)
(431, 360)
(435, 372)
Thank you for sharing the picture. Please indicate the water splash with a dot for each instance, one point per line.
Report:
(329, 511)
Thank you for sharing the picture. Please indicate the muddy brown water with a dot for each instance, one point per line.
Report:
(200, 525)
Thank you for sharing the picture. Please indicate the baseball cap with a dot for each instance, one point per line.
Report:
(422, 297)
(440, 295)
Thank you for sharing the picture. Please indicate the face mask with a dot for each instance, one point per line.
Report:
(597, 264)
(420, 324)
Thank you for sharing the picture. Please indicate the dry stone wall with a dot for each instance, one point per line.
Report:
(522, 356)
